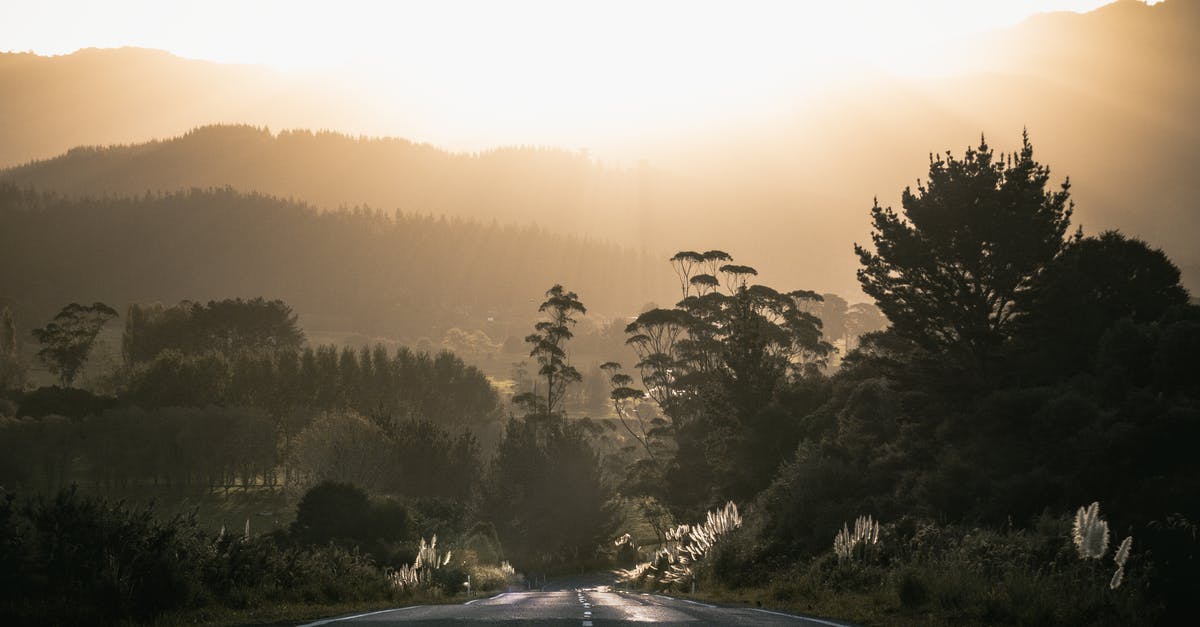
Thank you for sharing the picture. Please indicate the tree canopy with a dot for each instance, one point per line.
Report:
(227, 326)
(948, 269)
(1095, 282)
(67, 339)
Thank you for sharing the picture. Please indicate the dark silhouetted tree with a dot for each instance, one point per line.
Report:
(948, 270)
(714, 364)
(331, 511)
(227, 326)
(549, 348)
(67, 340)
(1093, 284)
(546, 494)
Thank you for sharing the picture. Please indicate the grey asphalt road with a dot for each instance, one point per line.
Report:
(582, 607)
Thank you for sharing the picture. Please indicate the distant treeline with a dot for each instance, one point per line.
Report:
(218, 395)
(372, 382)
(557, 189)
(225, 326)
(355, 269)
(191, 450)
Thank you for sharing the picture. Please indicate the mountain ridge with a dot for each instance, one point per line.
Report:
(1116, 114)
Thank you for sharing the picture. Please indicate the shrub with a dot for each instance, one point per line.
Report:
(331, 512)
(78, 560)
(911, 591)
(426, 571)
(484, 577)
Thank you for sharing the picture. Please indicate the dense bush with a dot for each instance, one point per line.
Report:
(70, 559)
(80, 560)
(343, 515)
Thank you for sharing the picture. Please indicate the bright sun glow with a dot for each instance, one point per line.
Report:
(503, 72)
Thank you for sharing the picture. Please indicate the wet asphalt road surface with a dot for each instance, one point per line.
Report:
(597, 606)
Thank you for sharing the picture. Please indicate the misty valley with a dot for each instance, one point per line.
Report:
(857, 363)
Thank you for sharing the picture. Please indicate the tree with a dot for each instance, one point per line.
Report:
(12, 371)
(227, 326)
(546, 493)
(67, 340)
(331, 511)
(431, 462)
(549, 341)
(177, 380)
(348, 448)
(746, 339)
(948, 272)
(833, 311)
(862, 318)
(715, 364)
(1093, 284)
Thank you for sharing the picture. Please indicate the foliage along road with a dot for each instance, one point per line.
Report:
(580, 607)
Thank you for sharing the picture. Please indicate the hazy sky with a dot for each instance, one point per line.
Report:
(304, 34)
(492, 71)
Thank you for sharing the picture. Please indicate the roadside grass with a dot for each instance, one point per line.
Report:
(943, 592)
(856, 608)
(295, 613)
(921, 573)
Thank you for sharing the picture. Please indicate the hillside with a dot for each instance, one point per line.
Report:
(553, 188)
(1106, 97)
(107, 96)
(379, 274)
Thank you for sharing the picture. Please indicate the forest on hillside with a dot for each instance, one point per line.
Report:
(374, 273)
(556, 189)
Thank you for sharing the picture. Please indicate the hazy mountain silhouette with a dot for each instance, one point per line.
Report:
(106, 96)
(554, 188)
(1107, 97)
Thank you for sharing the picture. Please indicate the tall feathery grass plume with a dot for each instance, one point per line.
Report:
(865, 533)
(1090, 532)
(1120, 557)
(1123, 551)
(419, 574)
(686, 545)
(1117, 579)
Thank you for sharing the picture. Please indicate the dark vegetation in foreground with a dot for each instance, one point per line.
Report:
(1026, 374)
(73, 559)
